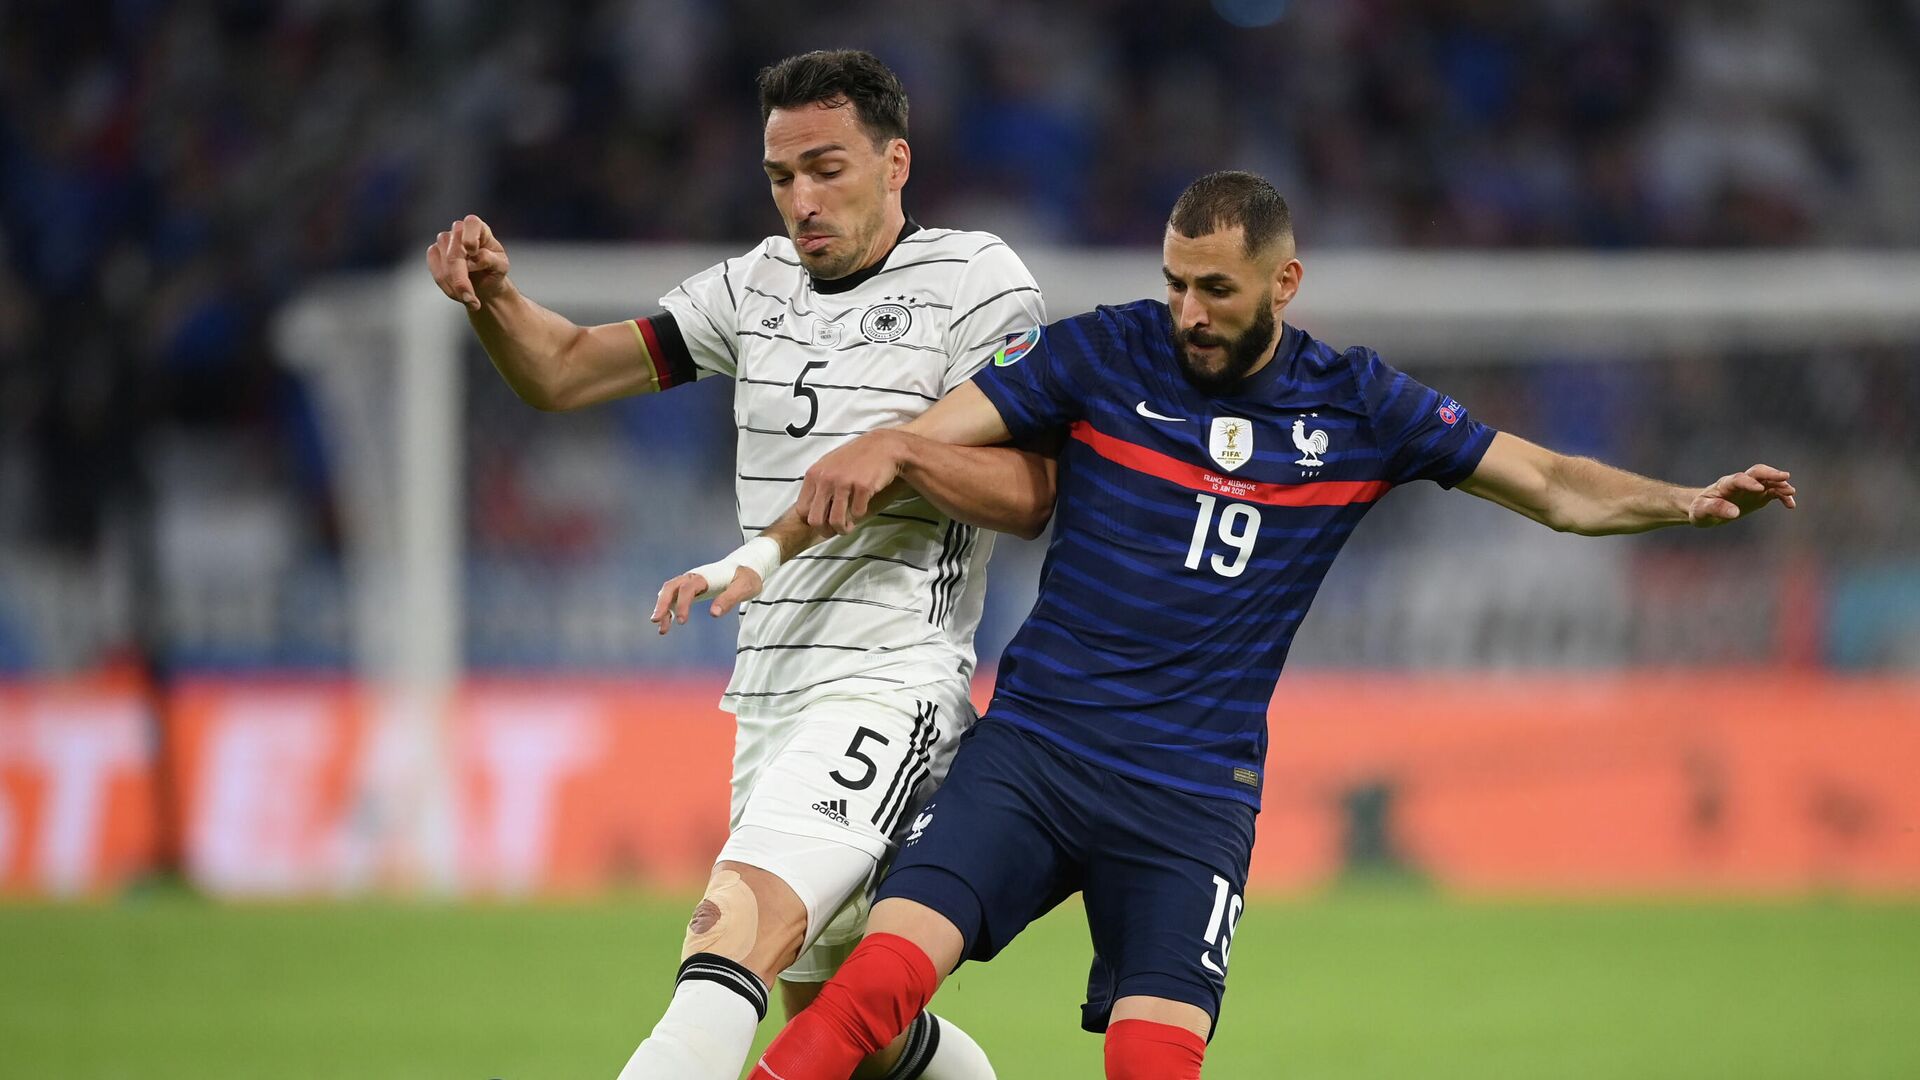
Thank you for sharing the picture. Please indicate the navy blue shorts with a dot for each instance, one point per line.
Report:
(1021, 824)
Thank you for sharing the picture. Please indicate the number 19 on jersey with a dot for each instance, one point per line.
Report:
(1239, 526)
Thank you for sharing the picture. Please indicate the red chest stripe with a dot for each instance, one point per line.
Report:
(1154, 463)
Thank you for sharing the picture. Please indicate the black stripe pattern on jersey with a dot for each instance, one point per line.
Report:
(863, 343)
(796, 648)
(859, 558)
(957, 259)
(996, 296)
(722, 336)
(844, 386)
(955, 548)
(783, 433)
(796, 308)
(743, 332)
(714, 968)
(827, 600)
(907, 517)
(912, 764)
(811, 686)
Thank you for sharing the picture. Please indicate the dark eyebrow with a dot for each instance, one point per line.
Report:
(805, 155)
(1215, 278)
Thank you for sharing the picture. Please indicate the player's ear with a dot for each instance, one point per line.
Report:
(899, 163)
(1286, 283)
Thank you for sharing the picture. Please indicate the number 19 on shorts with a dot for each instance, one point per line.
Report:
(1220, 925)
(1239, 528)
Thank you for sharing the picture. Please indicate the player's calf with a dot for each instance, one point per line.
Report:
(1147, 1050)
(932, 1048)
(879, 990)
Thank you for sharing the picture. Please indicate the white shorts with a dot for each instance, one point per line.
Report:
(823, 793)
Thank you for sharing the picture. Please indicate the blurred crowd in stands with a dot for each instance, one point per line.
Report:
(170, 173)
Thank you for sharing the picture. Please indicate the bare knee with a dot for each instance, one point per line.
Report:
(933, 932)
(748, 916)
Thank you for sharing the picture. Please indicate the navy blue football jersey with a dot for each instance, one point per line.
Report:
(1192, 532)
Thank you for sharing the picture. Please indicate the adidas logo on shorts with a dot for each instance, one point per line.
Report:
(834, 809)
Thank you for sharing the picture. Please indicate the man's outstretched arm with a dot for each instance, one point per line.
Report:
(550, 362)
(1584, 496)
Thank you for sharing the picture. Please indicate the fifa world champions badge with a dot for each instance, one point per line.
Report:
(1230, 442)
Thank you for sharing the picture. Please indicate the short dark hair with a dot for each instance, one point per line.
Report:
(1221, 200)
(838, 77)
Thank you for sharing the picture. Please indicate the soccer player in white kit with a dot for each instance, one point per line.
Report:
(851, 678)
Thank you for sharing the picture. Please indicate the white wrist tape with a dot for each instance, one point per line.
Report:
(760, 554)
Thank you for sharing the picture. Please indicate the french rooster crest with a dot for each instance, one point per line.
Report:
(1310, 444)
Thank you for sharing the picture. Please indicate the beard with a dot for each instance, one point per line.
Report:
(837, 260)
(853, 238)
(1238, 357)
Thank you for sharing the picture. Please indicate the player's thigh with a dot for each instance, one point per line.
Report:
(998, 846)
(1165, 891)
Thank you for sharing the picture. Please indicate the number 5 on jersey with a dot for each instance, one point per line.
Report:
(802, 390)
(1239, 527)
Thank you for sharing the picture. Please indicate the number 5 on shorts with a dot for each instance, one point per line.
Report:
(865, 780)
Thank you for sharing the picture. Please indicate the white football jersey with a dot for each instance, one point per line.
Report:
(816, 364)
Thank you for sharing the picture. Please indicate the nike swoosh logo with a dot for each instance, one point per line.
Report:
(1151, 415)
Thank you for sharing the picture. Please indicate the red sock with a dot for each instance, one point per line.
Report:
(865, 1006)
(1144, 1050)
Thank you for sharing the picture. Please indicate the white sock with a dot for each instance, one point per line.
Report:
(938, 1050)
(708, 1028)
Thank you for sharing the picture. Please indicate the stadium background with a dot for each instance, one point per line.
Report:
(1539, 806)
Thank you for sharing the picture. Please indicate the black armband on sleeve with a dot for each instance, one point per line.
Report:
(667, 350)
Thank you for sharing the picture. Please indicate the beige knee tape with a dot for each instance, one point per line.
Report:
(726, 922)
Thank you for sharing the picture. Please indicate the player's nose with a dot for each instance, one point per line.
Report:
(806, 203)
(1192, 312)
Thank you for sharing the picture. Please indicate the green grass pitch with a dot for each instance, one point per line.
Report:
(1394, 984)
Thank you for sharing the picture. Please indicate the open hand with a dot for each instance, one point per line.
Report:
(678, 594)
(468, 262)
(1738, 494)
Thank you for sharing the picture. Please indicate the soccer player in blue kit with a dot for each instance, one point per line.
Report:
(1215, 459)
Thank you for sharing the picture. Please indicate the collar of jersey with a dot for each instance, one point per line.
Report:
(860, 277)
